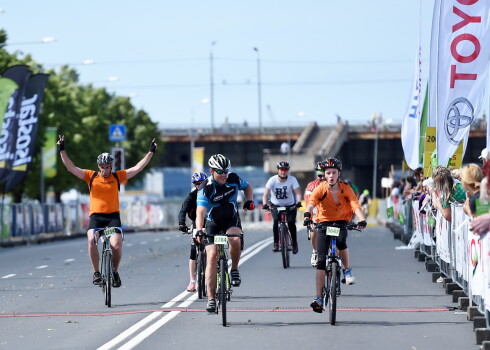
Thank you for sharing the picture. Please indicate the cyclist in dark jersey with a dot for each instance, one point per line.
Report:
(189, 208)
(217, 211)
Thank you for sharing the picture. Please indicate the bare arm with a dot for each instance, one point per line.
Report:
(249, 193)
(200, 216)
(298, 194)
(72, 168)
(266, 195)
(133, 171)
(143, 162)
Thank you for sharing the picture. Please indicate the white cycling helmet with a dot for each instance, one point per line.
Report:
(219, 162)
(105, 158)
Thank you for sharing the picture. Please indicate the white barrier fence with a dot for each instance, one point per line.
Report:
(461, 255)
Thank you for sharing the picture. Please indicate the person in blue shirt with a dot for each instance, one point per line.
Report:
(217, 211)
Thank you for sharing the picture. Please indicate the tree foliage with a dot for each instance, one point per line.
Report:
(83, 114)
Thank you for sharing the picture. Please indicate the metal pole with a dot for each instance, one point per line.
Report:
(211, 73)
(375, 165)
(259, 92)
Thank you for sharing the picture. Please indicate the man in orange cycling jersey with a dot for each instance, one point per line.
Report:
(335, 202)
(320, 176)
(104, 202)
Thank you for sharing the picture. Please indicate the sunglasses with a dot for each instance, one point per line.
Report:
(283, 169)
(220, 172)
(197, 183)
(320, 175)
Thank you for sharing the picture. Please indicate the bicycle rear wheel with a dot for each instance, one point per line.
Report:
(200, 274)
(222, 287)
(284, 244)
(333, 294)
(108, 278)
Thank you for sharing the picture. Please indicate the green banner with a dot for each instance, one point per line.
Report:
(401, 219)
(50, 153)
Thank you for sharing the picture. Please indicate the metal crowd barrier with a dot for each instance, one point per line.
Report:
(459, 254)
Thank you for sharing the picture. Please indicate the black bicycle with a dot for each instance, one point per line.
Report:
(200, 267)
(106, 269)
(331, 290)
(284, 234)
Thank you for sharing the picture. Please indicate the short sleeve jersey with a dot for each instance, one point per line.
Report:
(309, 190)
(282, 193)
(104, 195)
(221, 200)
(328, 210)
(457, 195)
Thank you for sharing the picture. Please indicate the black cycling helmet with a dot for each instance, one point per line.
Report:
(219, 162)
(198, 177)
(333, 163)
(283, 165)
(105, 158)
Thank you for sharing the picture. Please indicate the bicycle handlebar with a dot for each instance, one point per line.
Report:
(348, 226)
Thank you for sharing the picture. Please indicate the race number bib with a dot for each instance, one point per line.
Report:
(220, 240)
(333, 231)
(109, 231)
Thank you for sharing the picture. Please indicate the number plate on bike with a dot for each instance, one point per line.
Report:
(110, 231)
(333, 231)
(281, 208)
(220, 240)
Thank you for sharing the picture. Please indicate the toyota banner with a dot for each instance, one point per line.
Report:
(460, 51)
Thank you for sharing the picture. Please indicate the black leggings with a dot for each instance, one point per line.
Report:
(291, 217)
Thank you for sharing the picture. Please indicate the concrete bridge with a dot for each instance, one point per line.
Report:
(352, 144)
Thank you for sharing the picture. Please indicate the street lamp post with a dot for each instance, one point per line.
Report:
(259, 92)
(46, 40)
(211, 79)
(375, 161)
(192, 136)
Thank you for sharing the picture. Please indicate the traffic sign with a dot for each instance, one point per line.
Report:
(117, 132)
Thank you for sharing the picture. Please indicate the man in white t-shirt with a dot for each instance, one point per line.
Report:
(284, 191)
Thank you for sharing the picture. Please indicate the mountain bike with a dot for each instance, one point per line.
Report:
(284, 234)
(332, 290)
(106, 269)
(223, 282)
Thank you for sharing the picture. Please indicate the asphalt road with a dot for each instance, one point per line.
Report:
(47, 299)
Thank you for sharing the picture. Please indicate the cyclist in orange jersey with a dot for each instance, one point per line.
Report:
(104, 202)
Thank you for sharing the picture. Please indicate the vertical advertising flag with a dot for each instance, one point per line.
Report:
(20, 74)
(198, 162)
(410, 134)
(27, 130)
(459, 69)
(7, 88)
(50, 153)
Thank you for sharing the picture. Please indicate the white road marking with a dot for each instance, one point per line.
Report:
(69, 261)
(137, 339)
(8, 276)
(40, 267)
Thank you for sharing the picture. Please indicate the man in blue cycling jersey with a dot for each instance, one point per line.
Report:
(217, 211)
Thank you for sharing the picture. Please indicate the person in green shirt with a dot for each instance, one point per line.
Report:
(446, 191)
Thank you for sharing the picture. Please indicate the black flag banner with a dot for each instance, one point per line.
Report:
(27, 129)
(20, 74)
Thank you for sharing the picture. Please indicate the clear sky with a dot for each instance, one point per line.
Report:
(318, 58)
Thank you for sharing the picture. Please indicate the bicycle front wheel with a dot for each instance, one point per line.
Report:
(333, 294)
(200, 274)
(108, 278)
(284, 244)
(222, 287)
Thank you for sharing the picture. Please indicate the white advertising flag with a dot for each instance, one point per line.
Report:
(411, 123)
(459, 68)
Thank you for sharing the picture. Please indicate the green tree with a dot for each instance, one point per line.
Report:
(83, 114)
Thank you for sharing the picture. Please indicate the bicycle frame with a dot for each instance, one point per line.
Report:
(106, 268)
(285, 239)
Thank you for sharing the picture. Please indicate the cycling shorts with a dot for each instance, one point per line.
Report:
(213, 229)
(98, 220)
